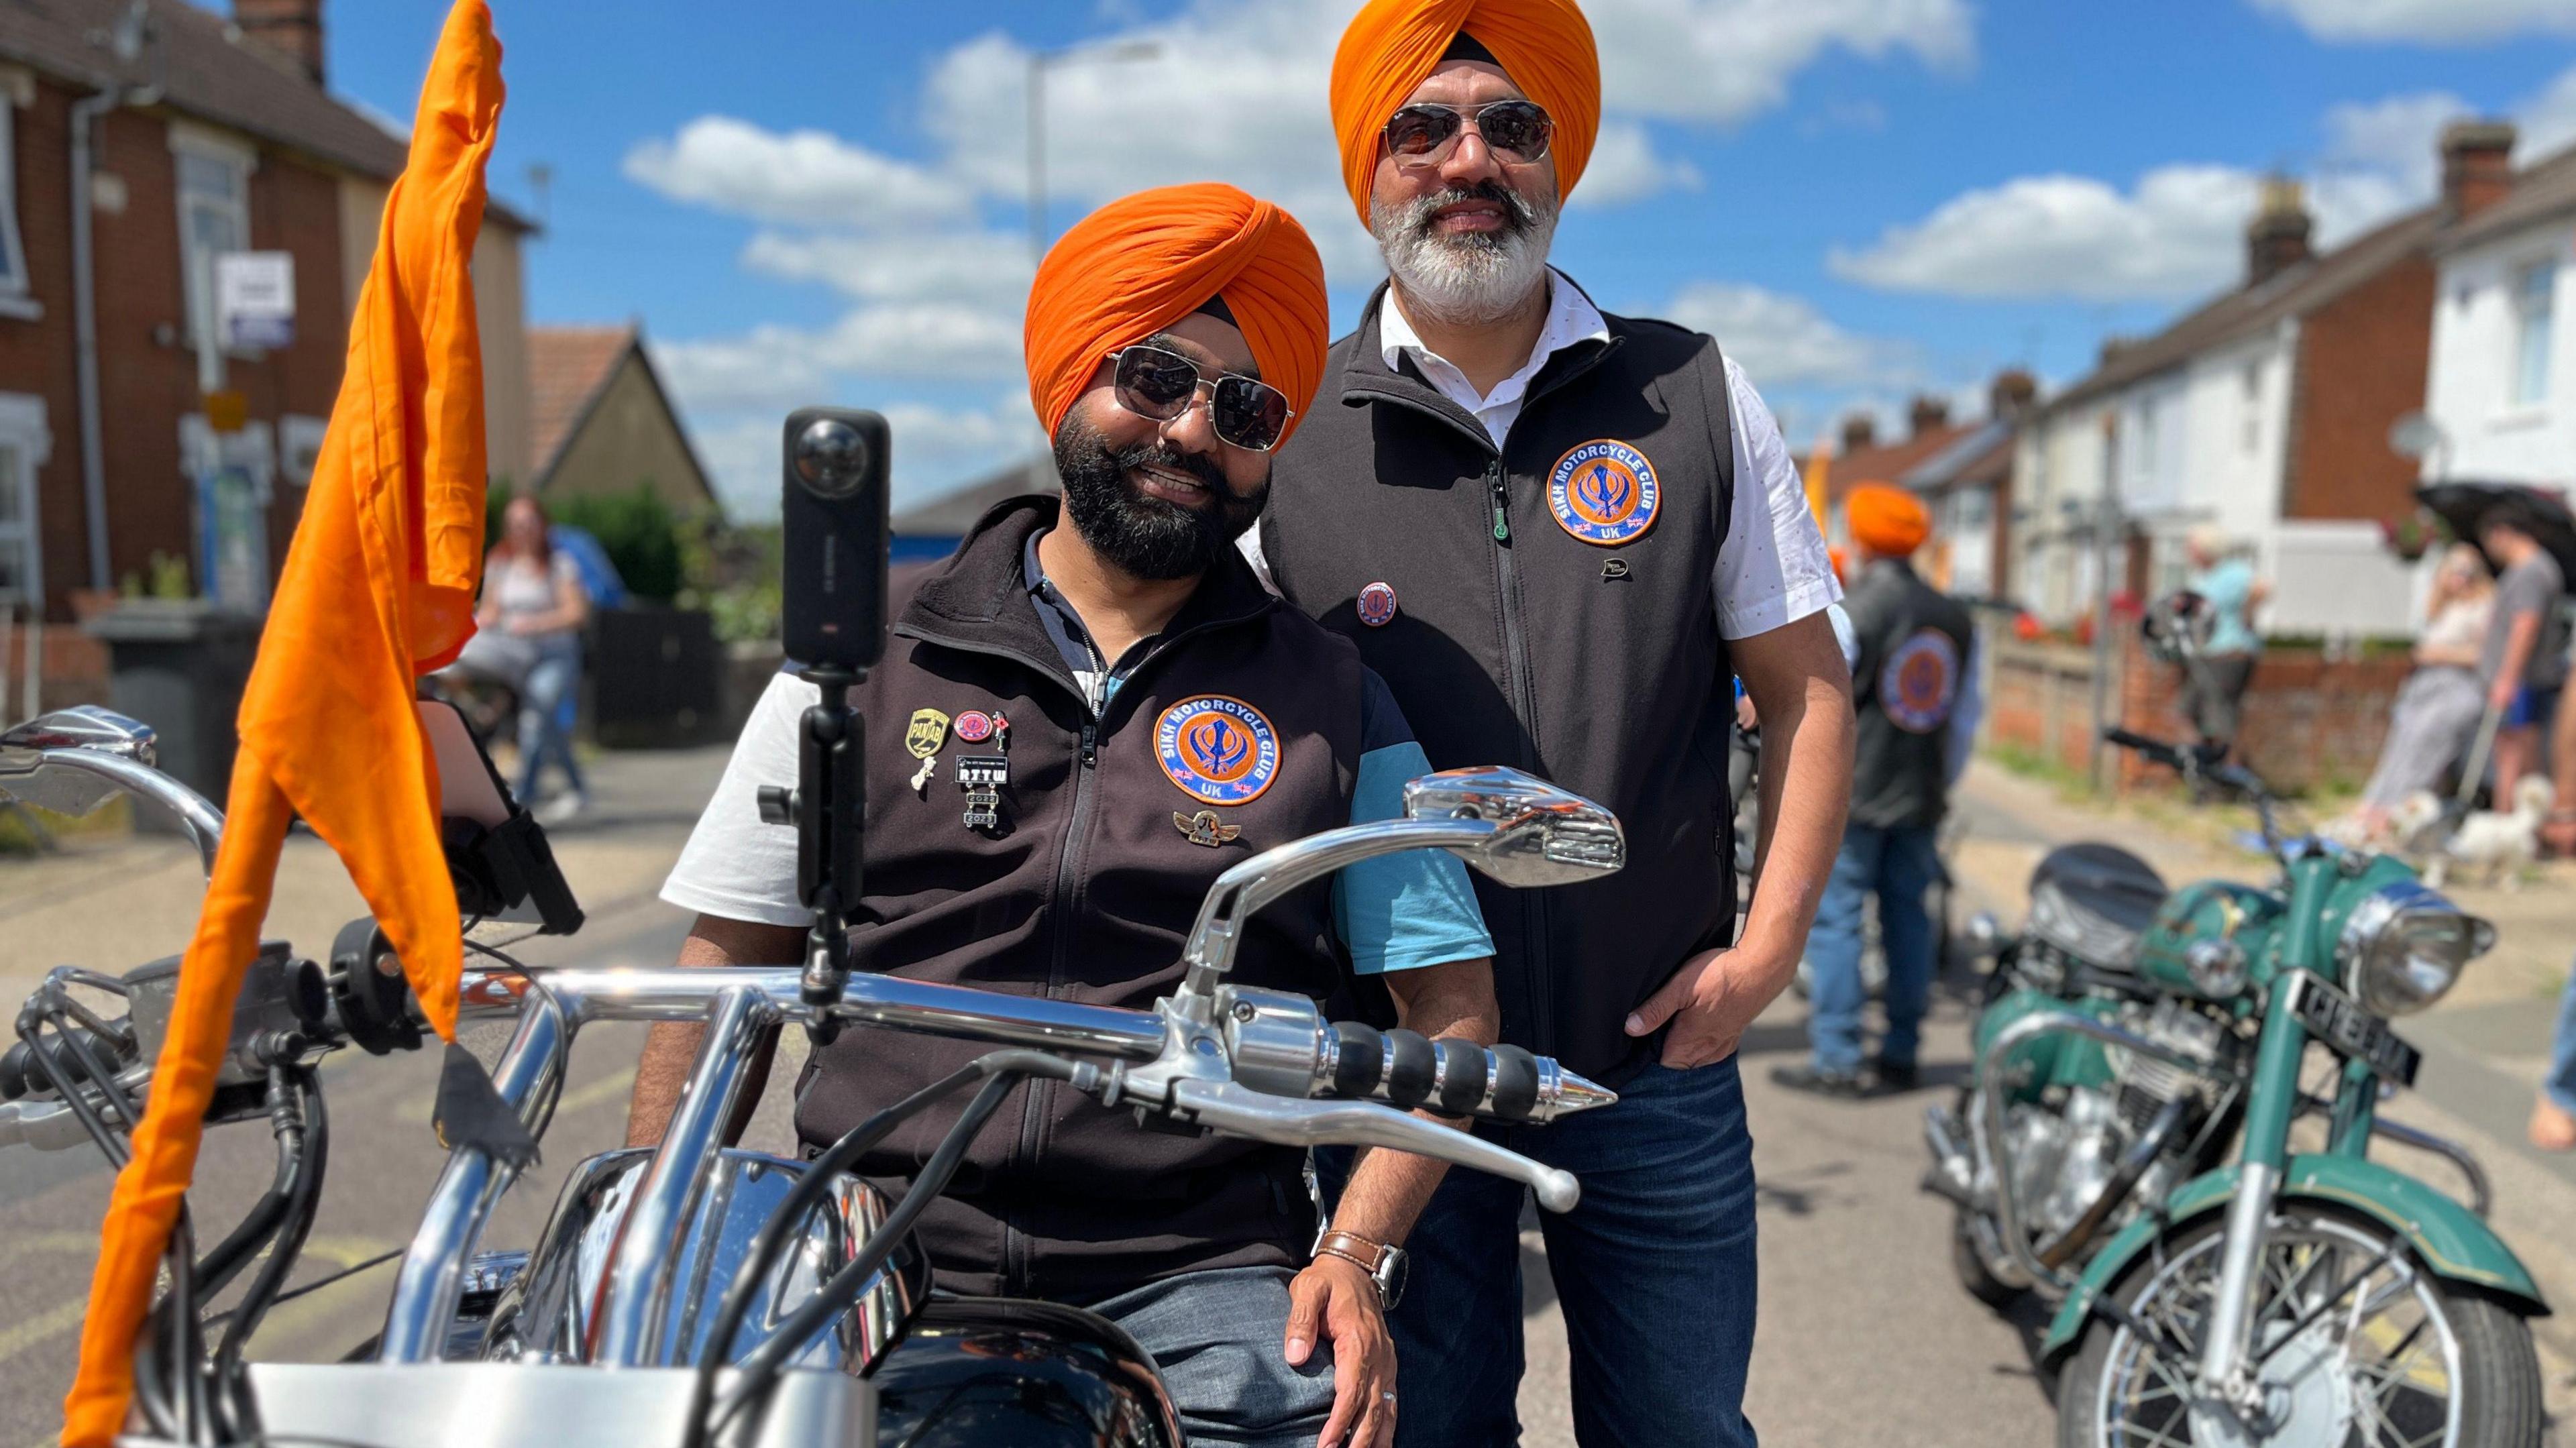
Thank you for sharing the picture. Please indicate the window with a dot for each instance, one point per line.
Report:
(24, 445)
(2250, 409)
(214, 212)
(14, 301)
(2535, 289)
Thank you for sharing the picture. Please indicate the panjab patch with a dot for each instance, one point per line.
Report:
(1604, 492)
(1216, 749)
(1377, 605)
(974, 726)
(928, 730)
(1920, 681)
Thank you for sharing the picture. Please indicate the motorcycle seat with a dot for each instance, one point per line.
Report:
(2095, 901)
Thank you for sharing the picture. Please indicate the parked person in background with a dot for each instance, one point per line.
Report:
(2213, 688)
(2553, 1117)
(2436, 713)
(532, 591)
(1914, 694)
(2524, 661)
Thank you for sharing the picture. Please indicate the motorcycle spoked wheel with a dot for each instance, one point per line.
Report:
(2406, 1360)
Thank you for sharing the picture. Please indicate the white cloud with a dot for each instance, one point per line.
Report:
(2073, 236)
(2397, 137)
(2431, 21)
(1726, 60)
(910, 340)
(987, 267)
(1784, 342)
(809, 177)
(2548, 119)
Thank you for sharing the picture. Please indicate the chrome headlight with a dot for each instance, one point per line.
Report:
(2404, 945)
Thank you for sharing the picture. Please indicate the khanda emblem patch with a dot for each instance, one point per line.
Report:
(1218, 750)
(1604, 492)
(1919, 682)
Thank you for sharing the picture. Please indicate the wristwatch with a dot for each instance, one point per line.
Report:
(1383, 1264)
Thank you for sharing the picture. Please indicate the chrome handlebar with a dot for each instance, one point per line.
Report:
(42, 761)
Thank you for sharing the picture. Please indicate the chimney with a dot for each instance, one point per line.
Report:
(2278, 238)
(292, 29)
(2013, 393)
(2477, 165)
(1926, 414)
(1859, 433)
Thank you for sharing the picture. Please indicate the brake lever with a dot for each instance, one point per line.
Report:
(1233, 1110)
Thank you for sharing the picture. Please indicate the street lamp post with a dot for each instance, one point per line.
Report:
(1039, 63)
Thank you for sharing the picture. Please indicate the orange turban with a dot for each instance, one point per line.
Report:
(1139, 264)
(1392, 46)
(1890, 522)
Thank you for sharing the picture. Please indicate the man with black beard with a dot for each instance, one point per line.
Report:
(1159, 717)
(1560, 535)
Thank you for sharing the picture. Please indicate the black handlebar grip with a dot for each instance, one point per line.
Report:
(1515, 1083)
(1360, 1062)
(1411, 1069)
(1462, 1076)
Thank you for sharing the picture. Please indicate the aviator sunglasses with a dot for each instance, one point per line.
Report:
(1423, 135)
(1159, 384)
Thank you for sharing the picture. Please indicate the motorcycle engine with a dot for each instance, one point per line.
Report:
(2064, 1159)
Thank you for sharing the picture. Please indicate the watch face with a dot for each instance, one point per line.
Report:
(1390, 1274)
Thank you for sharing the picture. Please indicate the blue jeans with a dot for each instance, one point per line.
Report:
(2561, 1080)
(1654, 1272)
(1897, 865)
(544, 731)
(1219, 1339)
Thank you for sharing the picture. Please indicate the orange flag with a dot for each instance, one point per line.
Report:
(378, 588)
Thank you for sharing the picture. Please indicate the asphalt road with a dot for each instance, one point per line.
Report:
(1865, 1337)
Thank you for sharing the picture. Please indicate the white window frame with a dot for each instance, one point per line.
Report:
(17, 88)
(196, 282)
(2518, 294)
(22, 424)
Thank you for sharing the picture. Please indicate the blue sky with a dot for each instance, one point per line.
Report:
(1862, 199)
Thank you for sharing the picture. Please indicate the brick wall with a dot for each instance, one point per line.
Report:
(147, 371)
(2362, 364)
(2310, 722)
(72, 670)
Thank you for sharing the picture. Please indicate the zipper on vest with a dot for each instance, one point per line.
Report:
(1524, 702)
(1035, 1096)
(1502, 502)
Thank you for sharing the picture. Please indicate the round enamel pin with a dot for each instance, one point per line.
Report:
(1377, 605)
(974, 726)
(1919, 681)
(1217, 749)
(1603, 492)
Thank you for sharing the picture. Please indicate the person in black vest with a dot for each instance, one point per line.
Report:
(1914, 692)
(1161, 717)
(1559, 535)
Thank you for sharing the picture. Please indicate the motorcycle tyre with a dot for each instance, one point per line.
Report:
(1969, 1261)
(2500, 1370)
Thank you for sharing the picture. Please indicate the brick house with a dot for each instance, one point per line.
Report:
(2265, 412)
(170, 133)
(2503, 383)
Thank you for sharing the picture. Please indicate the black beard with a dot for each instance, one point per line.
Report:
(1141, 536)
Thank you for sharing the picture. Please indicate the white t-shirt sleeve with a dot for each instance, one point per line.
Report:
(735, 866)
(1772, 570)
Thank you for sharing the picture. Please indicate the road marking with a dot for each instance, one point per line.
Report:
(603, 1090)
(30, 1331)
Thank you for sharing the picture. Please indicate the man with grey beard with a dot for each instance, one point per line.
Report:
(1559, 536)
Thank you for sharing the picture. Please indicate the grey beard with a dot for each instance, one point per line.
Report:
(1465, 281)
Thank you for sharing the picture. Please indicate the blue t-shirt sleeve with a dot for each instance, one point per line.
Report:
(1401, 912)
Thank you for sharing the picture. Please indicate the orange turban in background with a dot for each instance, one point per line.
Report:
(1139, 264)
(1890, 522)
(1392, 46)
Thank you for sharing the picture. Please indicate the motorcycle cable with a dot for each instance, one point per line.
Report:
(216, 1270)
(226, 1367)
(833, 1297)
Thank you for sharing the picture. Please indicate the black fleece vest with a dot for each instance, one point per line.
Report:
(1085, 892)
(1913, 658)
(1593, 661)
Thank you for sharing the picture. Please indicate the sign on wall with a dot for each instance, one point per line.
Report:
(255, 299)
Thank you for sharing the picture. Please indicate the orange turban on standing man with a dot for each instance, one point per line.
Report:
(1889, 522)
(1392, 46)
(1140, 264)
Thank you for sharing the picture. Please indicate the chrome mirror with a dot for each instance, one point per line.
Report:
(1542, 835)
(102, 731)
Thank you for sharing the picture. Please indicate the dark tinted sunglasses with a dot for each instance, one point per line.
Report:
(1160, 384)
(1514, 130)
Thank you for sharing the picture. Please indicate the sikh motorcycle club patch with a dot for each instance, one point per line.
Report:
(926, 733)
(1377, 605)
(1216, 749)
(1920, 681)
(1604, 492)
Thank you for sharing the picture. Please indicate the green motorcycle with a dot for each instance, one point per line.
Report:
(2124, 1149)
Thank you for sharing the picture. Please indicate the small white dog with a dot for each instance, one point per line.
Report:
(2499, 844)
(2415, 826)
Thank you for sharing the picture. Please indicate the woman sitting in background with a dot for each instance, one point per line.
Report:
(2437, 711)
(533, 592)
